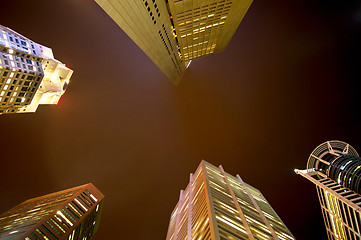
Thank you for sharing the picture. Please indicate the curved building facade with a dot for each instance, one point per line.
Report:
(335, 168)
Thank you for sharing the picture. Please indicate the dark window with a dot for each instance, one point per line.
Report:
(11, 39)
(29, 78)
(5, 74)
(24, 89)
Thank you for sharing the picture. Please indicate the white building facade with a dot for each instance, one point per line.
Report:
(29, 74)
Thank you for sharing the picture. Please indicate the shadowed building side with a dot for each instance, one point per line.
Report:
(218, 206)
(148, 24)
(335, 168)
(69, 214)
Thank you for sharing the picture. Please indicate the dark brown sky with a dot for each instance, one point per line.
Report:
(288, 81)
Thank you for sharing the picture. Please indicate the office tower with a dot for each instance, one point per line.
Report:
(218, 206)
(29, 74)
(70, 214)
(335, 167)
(173, 32)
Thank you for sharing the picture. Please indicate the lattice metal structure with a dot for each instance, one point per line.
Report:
(335, 168)
(69, 214)
(218, 206)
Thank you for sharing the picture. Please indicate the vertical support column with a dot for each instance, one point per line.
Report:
(240, 212)
(258, 208)
(190, 207)
(211, 212)
(180, 203)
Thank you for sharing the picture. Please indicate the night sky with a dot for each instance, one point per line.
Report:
(287, 82)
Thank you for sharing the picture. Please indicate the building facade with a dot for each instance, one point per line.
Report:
(218, 206)
(173, 32)
(70, 214)
(29, 74)
(335, 168)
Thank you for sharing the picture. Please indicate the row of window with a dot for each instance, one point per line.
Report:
(20, 42)
(147, 6)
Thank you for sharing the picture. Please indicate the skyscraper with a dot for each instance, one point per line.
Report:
(335, 168)
(218, 206)
(29, 74)
(173, 32)
(70, 214)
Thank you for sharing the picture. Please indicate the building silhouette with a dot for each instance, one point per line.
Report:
(335, 168)
(29, 74)
(69, 214)
(218, 206)
(173, 32)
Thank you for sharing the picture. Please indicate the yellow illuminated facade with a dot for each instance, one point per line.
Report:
(335, 167)
(29, 74)
(148, 24)
(206, 27)
(218, 206)
(72, 214)
(173, 32)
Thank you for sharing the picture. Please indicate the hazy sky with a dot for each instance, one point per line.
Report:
(288, 81)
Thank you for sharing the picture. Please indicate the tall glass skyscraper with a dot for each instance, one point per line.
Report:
(173, 32)
(218, 206)
(29, 74)
(70, 214)
(335, 168)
